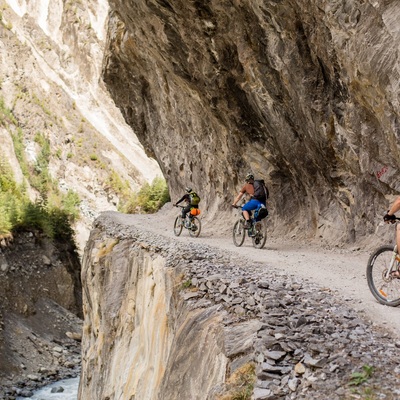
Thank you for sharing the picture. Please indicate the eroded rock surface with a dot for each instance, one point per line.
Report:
(166, 320)
(305, 94)
(40, 313)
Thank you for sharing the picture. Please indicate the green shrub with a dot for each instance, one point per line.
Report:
(52, 215)
(35, 216)
(149, 199)
(61, 225)
(119, 186)
(6, 115)
(5, 217)
(70, 204)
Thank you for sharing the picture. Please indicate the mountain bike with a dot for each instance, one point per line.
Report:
(257, 231)
(383, 274)
(191, 223)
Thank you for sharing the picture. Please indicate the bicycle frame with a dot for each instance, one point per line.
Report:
(256, 231)
(187, 218)
(392, 265)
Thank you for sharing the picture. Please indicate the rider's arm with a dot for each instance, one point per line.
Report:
(238, 197)
(395, 207)
(183, 198)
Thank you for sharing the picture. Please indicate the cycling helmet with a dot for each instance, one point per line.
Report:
(249, 177)
(189, 189)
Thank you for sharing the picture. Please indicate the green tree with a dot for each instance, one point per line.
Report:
(149, 199)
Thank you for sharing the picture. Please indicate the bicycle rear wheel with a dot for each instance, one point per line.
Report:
(385, 290)
(238, 233)
(260, 235)
(178, 225)
(194, 230)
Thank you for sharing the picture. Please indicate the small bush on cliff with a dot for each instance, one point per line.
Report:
(149, 199)
(240, 384)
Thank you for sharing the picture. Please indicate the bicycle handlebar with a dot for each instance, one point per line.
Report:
(392, 221)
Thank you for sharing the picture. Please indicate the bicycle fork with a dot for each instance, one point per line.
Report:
(240, 227)
(392, 266)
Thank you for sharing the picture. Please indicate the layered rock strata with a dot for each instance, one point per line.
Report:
(168, 320)
(304, 94)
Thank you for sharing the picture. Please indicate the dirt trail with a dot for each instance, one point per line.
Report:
(342, 271)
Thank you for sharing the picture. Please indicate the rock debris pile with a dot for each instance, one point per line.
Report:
(307, 344)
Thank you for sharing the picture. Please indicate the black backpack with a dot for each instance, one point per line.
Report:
(261, 192)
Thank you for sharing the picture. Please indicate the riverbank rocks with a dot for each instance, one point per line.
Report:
(39, 304)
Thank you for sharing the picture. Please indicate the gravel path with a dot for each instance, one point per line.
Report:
(340, 270)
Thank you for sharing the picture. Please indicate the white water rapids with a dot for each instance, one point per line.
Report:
(70, 392)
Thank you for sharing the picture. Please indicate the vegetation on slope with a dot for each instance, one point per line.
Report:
(54, 211)
(149, 199)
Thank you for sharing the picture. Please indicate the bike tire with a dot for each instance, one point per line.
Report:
(386, 291)
(260, 236)
(238, 233)
(178, 226)
(195, 223)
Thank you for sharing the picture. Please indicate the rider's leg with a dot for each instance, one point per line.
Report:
(398, 238)
(246, 215)
(185, 211)
(249, 206)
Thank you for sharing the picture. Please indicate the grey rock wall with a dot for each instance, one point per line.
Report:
(304, 94)
(169, 319)
(140, 339)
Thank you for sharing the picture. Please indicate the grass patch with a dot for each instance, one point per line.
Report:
(186, 284)
(240, 384)
(358, 378)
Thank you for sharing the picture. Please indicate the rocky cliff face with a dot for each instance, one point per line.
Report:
(50, 87)
(167, 319)
(304, 94)
(50, 64)
(140, 338)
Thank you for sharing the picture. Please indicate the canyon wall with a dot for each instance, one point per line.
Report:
(304, 94)
(173, 319)
(50, 86)
(140, 338)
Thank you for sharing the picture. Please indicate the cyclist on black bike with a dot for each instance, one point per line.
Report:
(255, 201)
(192, 200)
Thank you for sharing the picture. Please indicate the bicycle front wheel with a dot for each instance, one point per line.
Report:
(194, 230)
(385, 289)
(260, 235)
(238, 233)
(178, 225)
